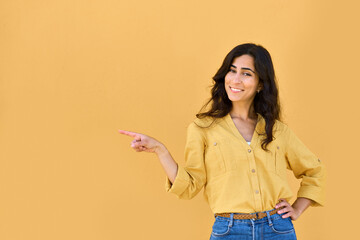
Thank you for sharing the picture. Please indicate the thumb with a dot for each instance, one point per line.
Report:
(137, 137)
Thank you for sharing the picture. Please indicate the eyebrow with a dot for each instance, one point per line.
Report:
(242, 68)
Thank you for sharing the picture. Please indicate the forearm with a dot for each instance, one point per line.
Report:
(301, 204)
(294, 211)
(167, 162)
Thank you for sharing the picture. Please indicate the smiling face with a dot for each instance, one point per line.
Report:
(241, 82)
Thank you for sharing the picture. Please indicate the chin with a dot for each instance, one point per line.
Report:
(234, 99)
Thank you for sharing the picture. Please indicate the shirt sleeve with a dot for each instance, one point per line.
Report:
(308, 166)
(191, 178)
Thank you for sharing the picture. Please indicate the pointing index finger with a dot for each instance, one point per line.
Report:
(131, 134)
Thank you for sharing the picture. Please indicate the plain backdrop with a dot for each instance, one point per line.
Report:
(74, 72)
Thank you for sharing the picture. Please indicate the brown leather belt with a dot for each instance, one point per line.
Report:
(254, 216)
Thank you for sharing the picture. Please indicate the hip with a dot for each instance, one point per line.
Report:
(269, 227)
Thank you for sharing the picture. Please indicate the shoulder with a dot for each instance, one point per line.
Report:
(200, 126)
(280, 125)
(280, 128)
(204, 122)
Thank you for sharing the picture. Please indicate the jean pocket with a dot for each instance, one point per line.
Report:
(221, 227)
(282, 225)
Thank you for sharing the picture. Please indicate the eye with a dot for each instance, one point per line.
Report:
(247, 74)
(232, 70)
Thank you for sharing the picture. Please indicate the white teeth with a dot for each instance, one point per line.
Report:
(237, 90)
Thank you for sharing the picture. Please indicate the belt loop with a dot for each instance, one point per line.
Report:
(231, 219)
(269, 219)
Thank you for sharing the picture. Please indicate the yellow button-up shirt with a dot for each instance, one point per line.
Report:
(238, 177)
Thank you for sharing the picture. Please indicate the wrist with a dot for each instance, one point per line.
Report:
(301, 204)
(297, 211)
(160, 149)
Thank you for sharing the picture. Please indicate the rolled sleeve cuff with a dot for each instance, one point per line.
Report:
(314, 193)
(180, 183)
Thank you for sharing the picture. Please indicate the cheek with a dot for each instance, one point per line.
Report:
(251, 83)
(227, 79)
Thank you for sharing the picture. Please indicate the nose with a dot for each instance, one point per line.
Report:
(237, 78)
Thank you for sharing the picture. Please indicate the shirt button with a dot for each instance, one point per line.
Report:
(215, 143)
(278, 147)
(253, 170)
(319, 160)
(249, 150)
(257, 191)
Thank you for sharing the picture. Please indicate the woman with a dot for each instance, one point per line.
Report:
(239, 151)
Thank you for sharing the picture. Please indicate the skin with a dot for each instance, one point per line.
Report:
(295, 210)
(242, 75)
(144, 143)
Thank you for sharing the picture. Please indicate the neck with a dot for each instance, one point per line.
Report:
(244, 111)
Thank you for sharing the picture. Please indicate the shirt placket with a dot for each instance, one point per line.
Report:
(254, 180)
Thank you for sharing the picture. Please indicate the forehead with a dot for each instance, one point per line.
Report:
(244, 61)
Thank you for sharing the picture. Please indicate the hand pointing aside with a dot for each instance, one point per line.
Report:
(143, 142)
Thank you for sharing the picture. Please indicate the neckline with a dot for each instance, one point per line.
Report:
(234, 129)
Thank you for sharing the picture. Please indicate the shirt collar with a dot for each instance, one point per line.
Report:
(259, 129)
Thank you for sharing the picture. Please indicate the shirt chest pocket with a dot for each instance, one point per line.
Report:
(276, 161)
(218, 157)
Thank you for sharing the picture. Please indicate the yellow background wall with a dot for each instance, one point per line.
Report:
(74, 72)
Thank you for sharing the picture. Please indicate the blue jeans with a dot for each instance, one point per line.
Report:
(272, 227)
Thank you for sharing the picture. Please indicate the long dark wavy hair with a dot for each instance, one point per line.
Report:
(266, 102)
